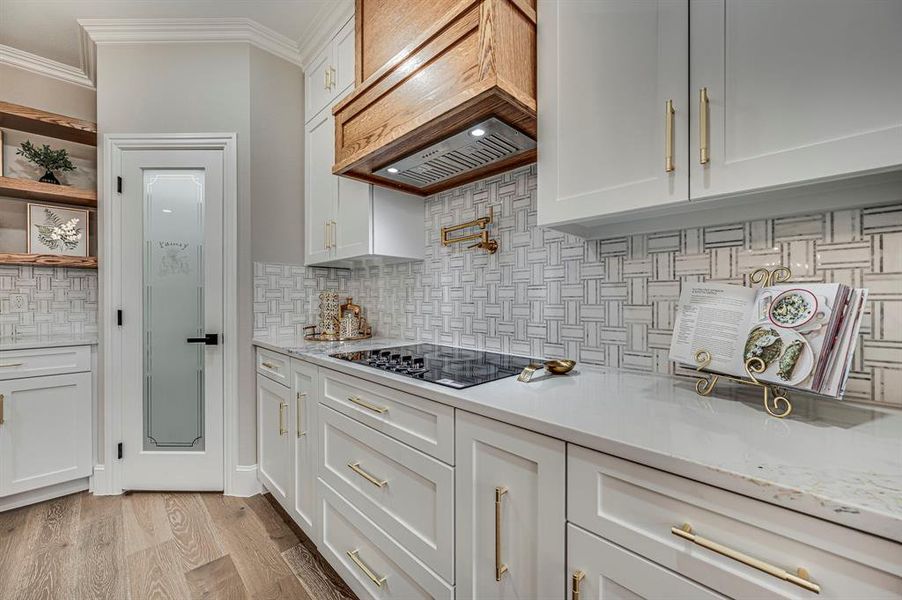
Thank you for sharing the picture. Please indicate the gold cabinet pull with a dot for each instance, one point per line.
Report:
(297, 423)
(368, 405)
(332, 78)
(703, 126)
(375, 481)
(2, 398)
(268, 365)
(800, 578)
(668, 136)
(500, 567)
(332, 235)
(282, 407)
(326, 79)
(353, 555)
(326, 235)
(578, 576)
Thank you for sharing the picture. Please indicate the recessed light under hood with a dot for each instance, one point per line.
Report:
(462, 152)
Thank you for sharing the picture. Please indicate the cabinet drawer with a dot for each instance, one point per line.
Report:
(273, 365)
(636, 507)
(406, 493)
(600, 569)
(364, 555)
(421, 423)
(15, 364)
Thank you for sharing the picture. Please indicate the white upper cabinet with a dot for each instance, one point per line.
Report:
(609, 72)
(331, 73)
(345, 57)
(346, 220)
(797, 91)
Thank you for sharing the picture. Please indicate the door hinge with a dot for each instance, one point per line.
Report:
(119, 318)
(119, 450)
(119, 185)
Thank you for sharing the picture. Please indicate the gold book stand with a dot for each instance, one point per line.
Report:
(776, 399)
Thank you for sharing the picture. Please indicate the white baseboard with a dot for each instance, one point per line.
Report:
(45, 493)
(244, 482)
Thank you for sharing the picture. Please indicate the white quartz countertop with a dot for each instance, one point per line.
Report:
(48, 341)
(838, 461)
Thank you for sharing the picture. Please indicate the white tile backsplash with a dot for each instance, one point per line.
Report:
(59, 301)
(608, 302)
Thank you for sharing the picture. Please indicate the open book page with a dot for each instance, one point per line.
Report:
(713, 317)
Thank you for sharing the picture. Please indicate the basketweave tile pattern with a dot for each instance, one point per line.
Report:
(609, 302)
(60, 301)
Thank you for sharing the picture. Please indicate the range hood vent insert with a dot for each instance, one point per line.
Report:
(458, 154)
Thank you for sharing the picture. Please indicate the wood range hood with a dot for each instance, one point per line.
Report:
(445, 93)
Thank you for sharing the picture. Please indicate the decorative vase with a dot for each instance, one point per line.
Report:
(328, 313)
(49, 177)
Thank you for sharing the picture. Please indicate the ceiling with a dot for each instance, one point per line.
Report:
(48, 28)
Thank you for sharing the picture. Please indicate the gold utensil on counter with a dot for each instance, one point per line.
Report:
(560, 366)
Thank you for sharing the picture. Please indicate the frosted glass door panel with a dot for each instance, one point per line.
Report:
(173, 309)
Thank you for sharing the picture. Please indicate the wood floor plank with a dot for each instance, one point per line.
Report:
(13, 546)
(99, 507)
(276, 527)
(192, 530)
(144, 521)
(217, 580)
(317, 582)
(49, 568)
(102, 570)
(156, 574)
(243, 536)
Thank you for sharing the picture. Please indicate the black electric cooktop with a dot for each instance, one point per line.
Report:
(444, 365)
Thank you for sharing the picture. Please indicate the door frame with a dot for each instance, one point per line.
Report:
(107, 477)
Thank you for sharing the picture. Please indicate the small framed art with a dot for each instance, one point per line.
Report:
(57, 230)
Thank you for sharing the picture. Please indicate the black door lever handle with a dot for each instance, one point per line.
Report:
(210, 339)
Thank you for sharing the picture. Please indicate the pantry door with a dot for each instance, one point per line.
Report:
(172, 301)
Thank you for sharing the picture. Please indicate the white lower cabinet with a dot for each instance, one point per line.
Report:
(598, 569)
(45, 431)
(303, 434)
(409, 498)
(373, 564)
(273, 441)
(510, 511)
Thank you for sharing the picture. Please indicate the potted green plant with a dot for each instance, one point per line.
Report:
(48, 159)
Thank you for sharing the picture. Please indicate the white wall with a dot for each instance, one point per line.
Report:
(193, 88)
(277, 159)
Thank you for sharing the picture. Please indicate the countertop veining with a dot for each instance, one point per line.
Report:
(838, 461)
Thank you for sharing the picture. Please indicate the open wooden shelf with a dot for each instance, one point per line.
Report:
(48, 260)
(32, 120)
(47, 192)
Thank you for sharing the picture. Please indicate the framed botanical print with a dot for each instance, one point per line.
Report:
(57, 230)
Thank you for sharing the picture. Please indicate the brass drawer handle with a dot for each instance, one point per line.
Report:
(668, 136)
(578, 576)
(282, 429)
(2, 398)
(800, 578)
(368, 405)
(500, 567)
(703, 156)
(11, 365)
(300, 429)
(353, 555)
(268, 365)
(375, 481)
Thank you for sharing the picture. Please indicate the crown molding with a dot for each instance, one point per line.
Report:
(322, 27)
(96, 32)
(39, 65)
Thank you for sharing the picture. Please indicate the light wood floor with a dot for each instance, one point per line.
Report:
(159, 545)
